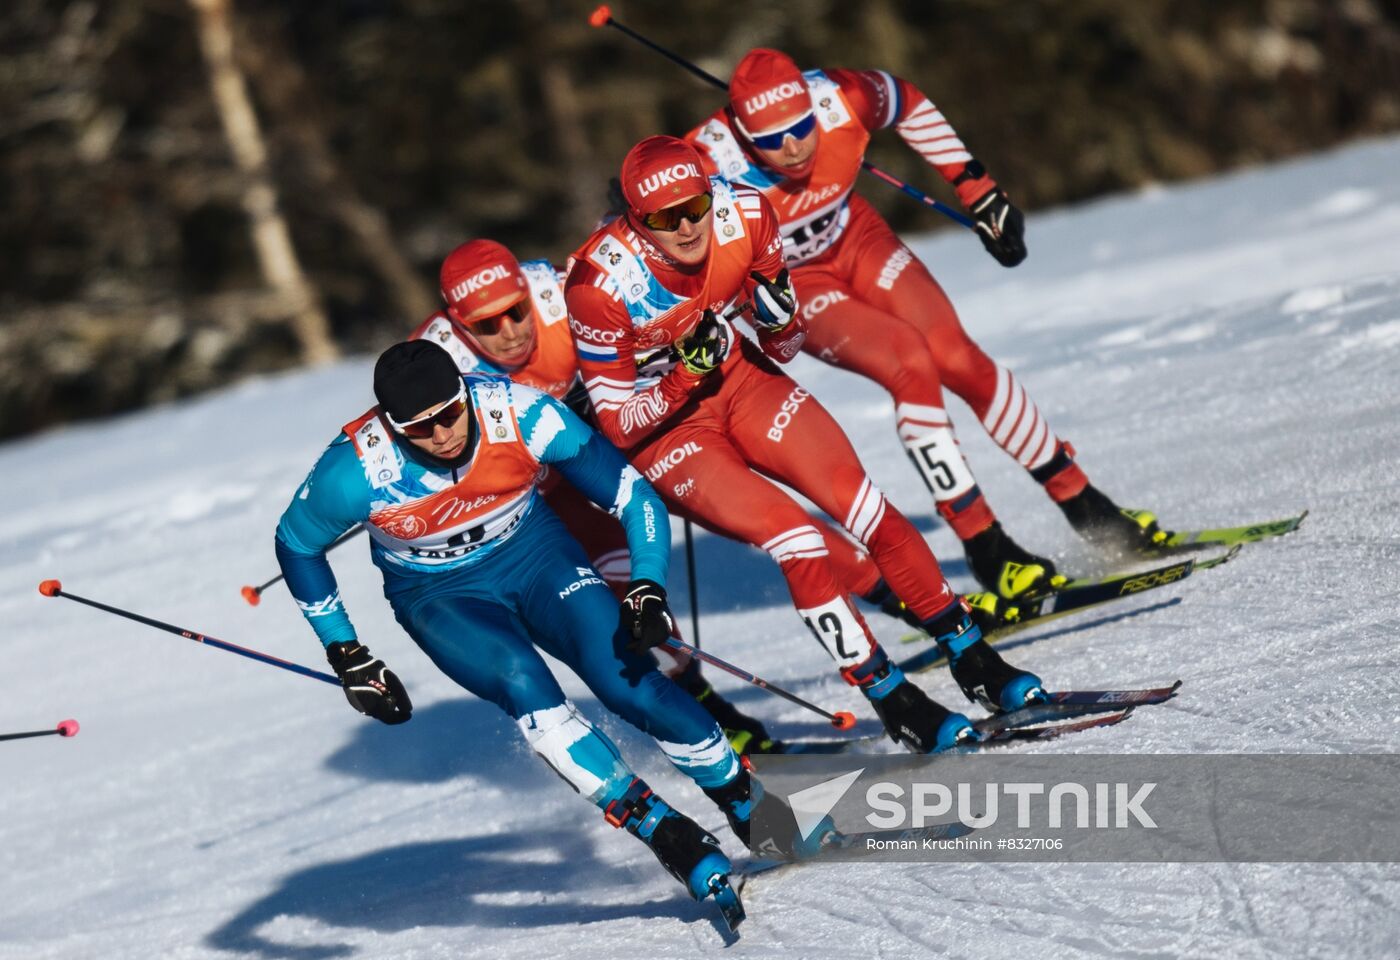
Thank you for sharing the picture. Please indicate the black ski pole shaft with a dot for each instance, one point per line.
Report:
(67, 728)
(602, 17)
(53, 588)
(254, 594)
(841, 719)
(690, 582)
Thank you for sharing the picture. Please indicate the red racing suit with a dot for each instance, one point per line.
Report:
(709, 443)
(552, 367)
(872, 307)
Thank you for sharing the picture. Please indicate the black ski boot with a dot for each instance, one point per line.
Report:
(1121, 534)
(745, 734)
(979, 670)
(737, 799)
(688, 851)
(1004, 567)
(910, 716)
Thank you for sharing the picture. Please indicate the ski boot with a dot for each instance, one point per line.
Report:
(910, 716)
(1121, 534)
(745, 734)
(689, 852)
(737, 799)
(990, 612)
(979, 670)
(1004, 567)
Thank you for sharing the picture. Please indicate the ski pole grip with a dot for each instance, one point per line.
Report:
(50, 588)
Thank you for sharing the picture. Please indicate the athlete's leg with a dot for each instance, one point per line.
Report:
(890, 278)
(720, 492)
(783, 430)
(484, 647)
(605, 543)
(573, 616)
(849, 333)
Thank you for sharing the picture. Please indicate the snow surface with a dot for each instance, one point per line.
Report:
(1221, 352)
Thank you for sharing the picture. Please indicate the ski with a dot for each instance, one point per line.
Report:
(1229, 536)
(1074, 596)
(726, 895)
(1047, 731)
(1083, 709)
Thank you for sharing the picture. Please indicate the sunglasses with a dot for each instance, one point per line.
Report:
(669, 218)
(444, 416)
(490, 326)
(774, 141)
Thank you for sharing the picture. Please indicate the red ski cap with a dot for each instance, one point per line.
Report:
(659, 172)
(768, 92)
(481, 278)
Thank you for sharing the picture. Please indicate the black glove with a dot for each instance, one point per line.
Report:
(370, 686)
(774, 303)
(705, 348)
(1000, 227)
(645, 616)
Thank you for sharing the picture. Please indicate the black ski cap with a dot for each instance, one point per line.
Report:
(414, 376)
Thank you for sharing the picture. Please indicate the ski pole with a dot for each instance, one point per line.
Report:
(67, 728)
(602, 17)
(690, 582)
(841, 719)
(254, 594)
(53, 588)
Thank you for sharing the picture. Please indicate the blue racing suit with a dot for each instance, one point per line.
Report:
(479, 572)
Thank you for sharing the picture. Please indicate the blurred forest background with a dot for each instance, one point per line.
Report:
(192, 190)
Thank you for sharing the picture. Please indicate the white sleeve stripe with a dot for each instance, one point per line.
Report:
(627, 481)
(609, 381)
(925, 134)
(926, 113)
(999, 400)
(929, 122)
(956, 156)
(938, 146)
(545, 429)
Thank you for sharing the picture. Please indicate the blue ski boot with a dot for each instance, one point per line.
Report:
(689, 852)
(980, 671)
(910, 716)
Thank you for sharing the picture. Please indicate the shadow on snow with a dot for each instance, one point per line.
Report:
(505, 880)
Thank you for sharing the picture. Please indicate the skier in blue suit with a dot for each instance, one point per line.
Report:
(479, 572)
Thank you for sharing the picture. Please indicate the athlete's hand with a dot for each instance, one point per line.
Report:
(1000, 227)
(705, 347)
(370, 686)
(645, 616)
(774, 303)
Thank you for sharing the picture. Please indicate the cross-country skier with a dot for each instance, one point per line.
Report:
(872, 307)
(479, 572)
(652, 298)
(505, 317)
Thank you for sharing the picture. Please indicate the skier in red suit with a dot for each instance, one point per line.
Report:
(507, 317)
(705, 412)
(870, 306)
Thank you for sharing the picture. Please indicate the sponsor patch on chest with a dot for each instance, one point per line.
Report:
(497, 421)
